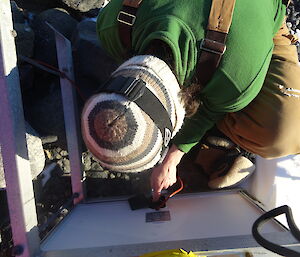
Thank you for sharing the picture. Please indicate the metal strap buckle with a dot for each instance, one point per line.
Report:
(129, 18)
(133, 88)
(129, 87)
(214, 50)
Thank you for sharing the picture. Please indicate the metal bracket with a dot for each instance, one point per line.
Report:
(71, 115)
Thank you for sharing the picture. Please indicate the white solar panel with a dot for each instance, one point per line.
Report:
(194, 216)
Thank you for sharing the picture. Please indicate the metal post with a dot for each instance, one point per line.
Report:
(71, 116)
(19, 187)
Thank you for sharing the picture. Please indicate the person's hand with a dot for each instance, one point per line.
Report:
(164, 175)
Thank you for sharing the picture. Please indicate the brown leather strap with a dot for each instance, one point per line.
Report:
(126, 19)
(220, 16)
(213, 45)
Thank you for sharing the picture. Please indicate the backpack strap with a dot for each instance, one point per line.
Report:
(126, 19)
(213, 45)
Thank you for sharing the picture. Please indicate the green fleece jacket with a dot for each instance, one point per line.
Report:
(182, 25)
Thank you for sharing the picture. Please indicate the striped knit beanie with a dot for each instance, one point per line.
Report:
(119, 131)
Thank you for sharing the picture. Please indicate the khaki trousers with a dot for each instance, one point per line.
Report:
(270, 125)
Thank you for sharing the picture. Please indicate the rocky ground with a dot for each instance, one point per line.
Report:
(43, 106)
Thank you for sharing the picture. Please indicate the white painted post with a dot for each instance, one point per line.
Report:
(276, 182)
(13, 144)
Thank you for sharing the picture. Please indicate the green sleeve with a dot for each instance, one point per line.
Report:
(218, 98)
(194, 128)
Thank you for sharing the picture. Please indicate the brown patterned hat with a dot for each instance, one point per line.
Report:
(127, 125)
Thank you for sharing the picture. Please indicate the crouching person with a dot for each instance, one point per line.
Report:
(218, 74)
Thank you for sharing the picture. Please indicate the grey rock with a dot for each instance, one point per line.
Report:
(63, 153)
(126, 177)
(24, 40)
(87, 161)
(96, 166)
(46, 115)
(293, 16)
(37, 5)
(94, 158)
(35, 153)
(92, 73)
(17, 13)
(64, 165)
(97, 174)
(49, 155)
(84, 5)
(56, 155)
(91, 13)
(45, 49)
(26, 75)
(49, 139)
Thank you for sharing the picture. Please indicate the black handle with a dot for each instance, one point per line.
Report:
(272, 246)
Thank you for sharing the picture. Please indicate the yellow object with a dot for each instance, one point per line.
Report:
(171, 253)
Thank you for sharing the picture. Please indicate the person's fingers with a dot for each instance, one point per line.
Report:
(172, 181)
(162, 177)
(157, 188)
(155, 182)
(172, 177)
(155, 195)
